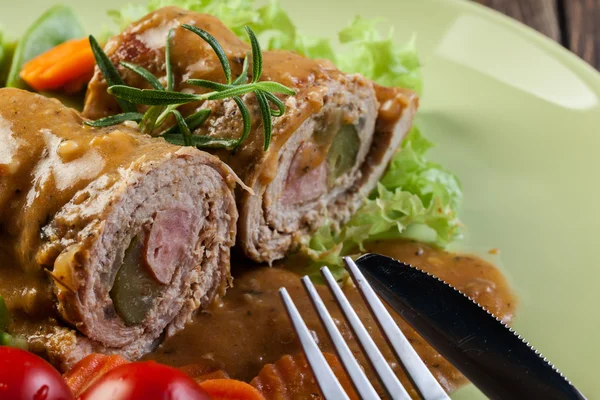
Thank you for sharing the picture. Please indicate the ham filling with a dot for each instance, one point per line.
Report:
(315, 166)
(307, 176)
(150, 262)
(167, 242)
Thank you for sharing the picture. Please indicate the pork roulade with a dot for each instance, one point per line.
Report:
(129, 234)
(328, 151)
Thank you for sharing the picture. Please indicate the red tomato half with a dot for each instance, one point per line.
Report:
(145, 380)
(25, 376)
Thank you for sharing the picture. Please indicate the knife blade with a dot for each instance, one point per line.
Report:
(490, 354)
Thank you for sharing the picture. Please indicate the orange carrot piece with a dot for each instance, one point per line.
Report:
(291, 378)
(71, 61)
(230, 389)
(89, 369)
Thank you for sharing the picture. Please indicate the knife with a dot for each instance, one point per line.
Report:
(489, 353)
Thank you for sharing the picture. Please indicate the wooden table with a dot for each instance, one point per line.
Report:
(573, 23)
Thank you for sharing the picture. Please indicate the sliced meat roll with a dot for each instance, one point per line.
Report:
(328, 151)
(132, 234)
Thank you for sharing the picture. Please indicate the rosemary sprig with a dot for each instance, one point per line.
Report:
(116, 119)
(168, 67)
(110, 72)
(164, 102)
(192, 121)
(216, 46)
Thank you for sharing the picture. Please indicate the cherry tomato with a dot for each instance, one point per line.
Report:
(25, 376)
(144, 380)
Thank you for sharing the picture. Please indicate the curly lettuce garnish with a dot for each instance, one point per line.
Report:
(414, 193)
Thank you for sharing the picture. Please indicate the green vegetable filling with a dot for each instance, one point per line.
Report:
(135, 289)
(342, 153)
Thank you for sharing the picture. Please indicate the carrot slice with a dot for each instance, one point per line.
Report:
(71, 61)
(291, 378)
(89, 370)
(230, 389)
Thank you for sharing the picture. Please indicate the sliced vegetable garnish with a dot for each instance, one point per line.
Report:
(55, 26)
(69, 62)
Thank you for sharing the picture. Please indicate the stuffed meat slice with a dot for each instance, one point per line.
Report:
(121, 235)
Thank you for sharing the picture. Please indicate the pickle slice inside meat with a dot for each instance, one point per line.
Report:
(135, 289)
(343, 152)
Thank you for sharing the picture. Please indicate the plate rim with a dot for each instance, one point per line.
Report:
(558, 50)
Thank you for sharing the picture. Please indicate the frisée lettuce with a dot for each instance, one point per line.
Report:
(414, 192)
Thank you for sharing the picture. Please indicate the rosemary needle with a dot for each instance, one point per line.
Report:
(165, 101)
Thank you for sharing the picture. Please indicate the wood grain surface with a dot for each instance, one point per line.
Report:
(573, 23)
(583, 29)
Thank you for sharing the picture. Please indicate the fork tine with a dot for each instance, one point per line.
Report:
(425, 382)
(387, 377)
(358, 378)
(329, 384)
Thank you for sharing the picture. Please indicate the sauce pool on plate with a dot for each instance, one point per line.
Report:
(249, 327)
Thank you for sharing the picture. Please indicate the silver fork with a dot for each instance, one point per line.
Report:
(423, 380)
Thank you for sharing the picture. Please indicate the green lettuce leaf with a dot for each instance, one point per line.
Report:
(413, 192)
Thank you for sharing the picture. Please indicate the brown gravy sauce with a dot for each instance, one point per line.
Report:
(249, 327)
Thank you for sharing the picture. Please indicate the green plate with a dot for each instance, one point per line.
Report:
(517, 118)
